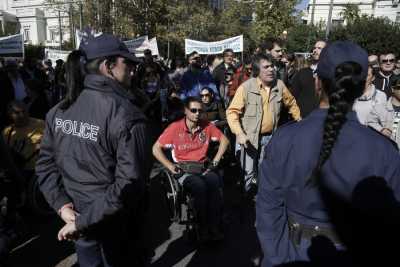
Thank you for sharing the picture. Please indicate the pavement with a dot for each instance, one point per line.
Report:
(167, 240)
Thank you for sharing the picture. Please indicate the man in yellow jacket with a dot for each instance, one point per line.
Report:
(254, 113)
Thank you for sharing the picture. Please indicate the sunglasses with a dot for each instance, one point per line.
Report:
(388, 60)
(196, 110)
(204, 95)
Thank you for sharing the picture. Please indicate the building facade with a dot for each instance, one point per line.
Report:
(318, 10)
(38, 22)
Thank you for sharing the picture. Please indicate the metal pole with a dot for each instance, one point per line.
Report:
(329, 23)
(80, 15)
(72, 25)
(59, 27)
(312, 12)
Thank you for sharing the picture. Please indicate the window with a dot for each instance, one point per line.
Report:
(337, 22)
(53, 34)
(27, 35)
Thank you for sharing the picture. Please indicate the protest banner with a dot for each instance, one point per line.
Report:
(12, 46)
(54, 54)
(209, 48)
(138, 45)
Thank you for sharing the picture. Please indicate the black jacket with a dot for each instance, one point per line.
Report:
(95, 154)
(384, 83)
(303, 90)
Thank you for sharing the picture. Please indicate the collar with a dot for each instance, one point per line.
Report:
(186, 129)
(261, 86)
(321, 113)
(385, 76)
(105, 84)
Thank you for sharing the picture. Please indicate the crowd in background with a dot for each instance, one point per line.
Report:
(29, 88)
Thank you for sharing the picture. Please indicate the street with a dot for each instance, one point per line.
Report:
(170, 245)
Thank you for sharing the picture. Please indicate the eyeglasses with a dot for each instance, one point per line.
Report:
(196, 110)
(204, 95)
(388, 60)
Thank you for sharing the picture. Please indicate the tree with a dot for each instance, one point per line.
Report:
(235, 19)
(376, 35)
(350, 13)
(301, 37)
(272, 17)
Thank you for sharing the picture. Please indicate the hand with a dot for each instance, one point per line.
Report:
(68, 215)
(242, 139)
(68, 232)
(387, 132)
(174, 169)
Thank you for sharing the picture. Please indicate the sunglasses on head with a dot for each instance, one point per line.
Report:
(196, 110)
(388, 60)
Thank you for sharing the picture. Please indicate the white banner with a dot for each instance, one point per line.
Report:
(12, 46)
(138, 45)
(55, 54)
(234, 43)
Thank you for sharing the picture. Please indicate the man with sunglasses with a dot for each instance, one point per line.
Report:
(384, 78)
(189, 141)
(196, 78)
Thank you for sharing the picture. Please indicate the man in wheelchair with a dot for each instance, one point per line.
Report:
(189, 140)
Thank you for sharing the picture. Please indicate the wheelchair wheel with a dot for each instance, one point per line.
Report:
(171, 188)
(35, 199)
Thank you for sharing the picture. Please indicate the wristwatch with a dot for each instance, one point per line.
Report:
(214, 163)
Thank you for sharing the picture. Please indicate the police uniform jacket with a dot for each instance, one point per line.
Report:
(291, 156)
(95, 154)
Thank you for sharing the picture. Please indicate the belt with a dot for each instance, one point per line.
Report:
(299, 231)
(266, 134)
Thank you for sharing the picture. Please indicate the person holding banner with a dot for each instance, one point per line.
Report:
(195, 79)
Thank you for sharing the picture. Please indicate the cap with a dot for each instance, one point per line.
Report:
(340, 52)
(105, 45)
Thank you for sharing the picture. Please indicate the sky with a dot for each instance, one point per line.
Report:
(302, 5)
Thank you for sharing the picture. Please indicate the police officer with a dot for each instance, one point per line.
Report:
(328, 152)
(95, 155)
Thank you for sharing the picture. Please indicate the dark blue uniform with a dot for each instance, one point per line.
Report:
(359, 152)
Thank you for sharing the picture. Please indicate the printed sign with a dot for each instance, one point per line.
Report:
(138, 45)
(209, 48)
(56, 54)
(12, 46)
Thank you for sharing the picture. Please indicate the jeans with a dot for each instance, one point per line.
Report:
(250, 165)
(206, 191)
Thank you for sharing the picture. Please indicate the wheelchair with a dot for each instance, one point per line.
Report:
(180, 205)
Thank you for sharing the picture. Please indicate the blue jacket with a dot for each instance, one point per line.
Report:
(292, 154)
(193, 82)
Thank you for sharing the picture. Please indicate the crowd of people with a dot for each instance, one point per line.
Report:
(89, 128)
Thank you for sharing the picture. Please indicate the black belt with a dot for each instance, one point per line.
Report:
(299, 231)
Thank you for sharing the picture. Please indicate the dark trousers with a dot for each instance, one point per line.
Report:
(113, 247)
(206, 192)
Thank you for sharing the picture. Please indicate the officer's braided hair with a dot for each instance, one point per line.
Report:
(342, 91)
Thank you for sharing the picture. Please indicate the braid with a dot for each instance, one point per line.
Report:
(342, 94)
